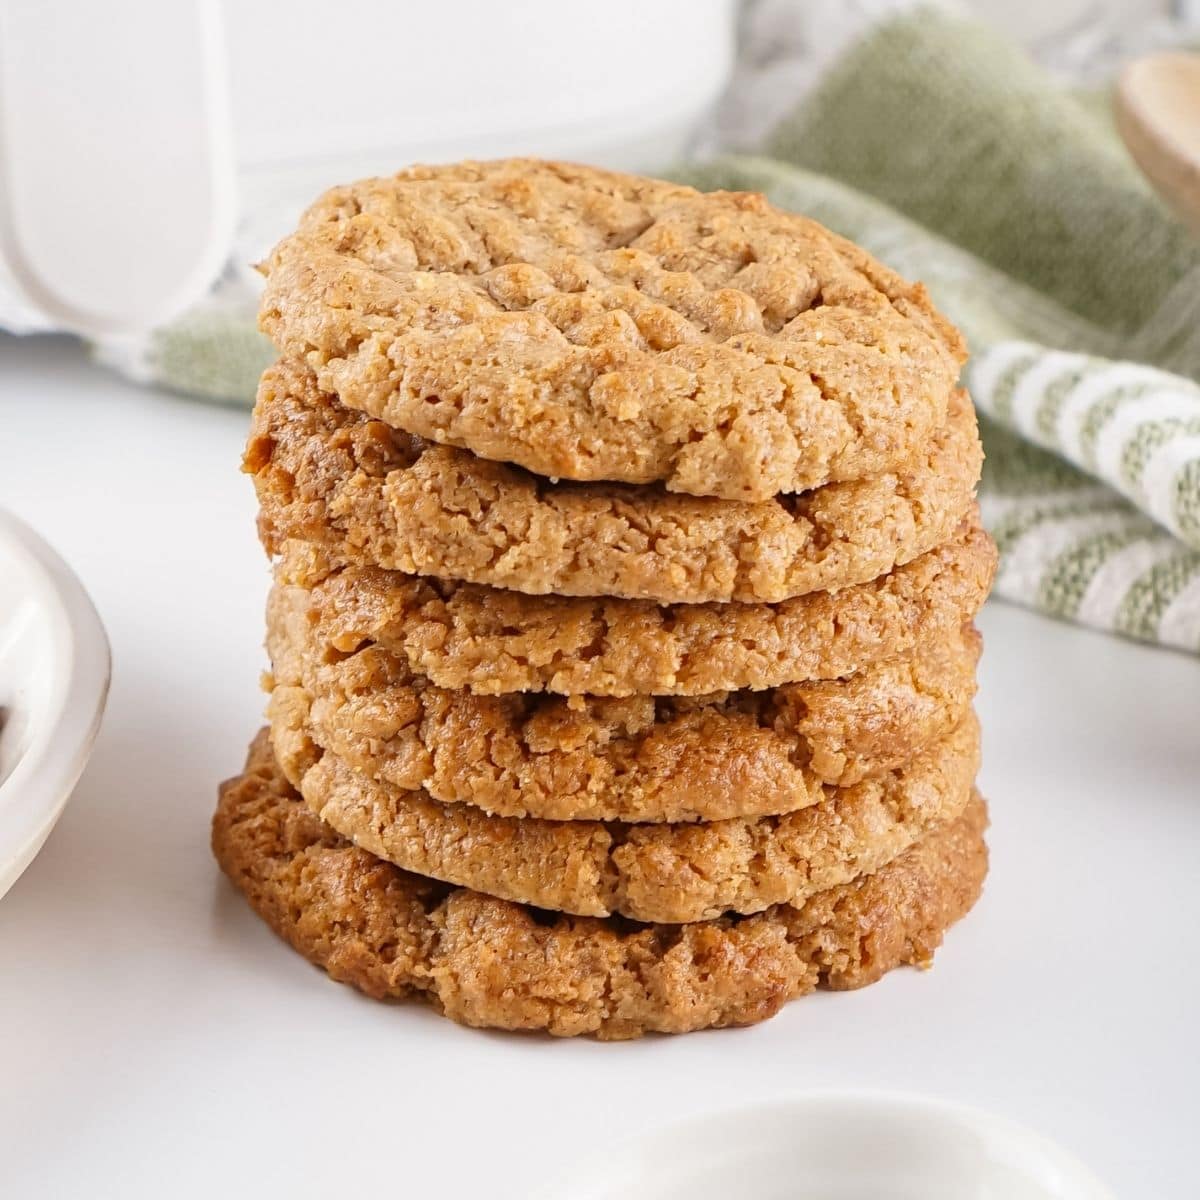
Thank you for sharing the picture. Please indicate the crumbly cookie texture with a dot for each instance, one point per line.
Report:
(647, 872)
(375, 496)
(595, 326)
(736, 754)
(464, 635)
(490, 963)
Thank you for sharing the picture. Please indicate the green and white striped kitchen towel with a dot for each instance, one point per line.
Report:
(949, 154)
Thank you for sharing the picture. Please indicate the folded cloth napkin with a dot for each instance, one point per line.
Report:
(943, 149)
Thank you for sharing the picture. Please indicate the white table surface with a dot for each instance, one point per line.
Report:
(156, 1039)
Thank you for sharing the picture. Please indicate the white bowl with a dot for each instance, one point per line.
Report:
(54, 673)
(838, 1146)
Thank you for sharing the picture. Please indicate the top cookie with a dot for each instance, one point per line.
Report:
(590, 325)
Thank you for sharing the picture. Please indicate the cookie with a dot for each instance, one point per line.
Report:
(648, 872)
(465, 635)
(589, 325)
(736, 754)
(490, 963)
(371, 495)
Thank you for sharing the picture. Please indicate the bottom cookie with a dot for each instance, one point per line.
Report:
(492, 963)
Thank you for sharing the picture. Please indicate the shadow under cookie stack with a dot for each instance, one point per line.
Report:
(625, 561)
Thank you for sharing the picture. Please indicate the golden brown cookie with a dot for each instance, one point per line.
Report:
(487, 962)
(464, 635)
(595, 326)
(648, 872)
(371, 495)
(641, 758)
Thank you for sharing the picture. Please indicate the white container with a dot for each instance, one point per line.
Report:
(135, 135)
(54, 673)
(839, 1146)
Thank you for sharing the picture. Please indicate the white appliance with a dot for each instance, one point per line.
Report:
(143, 144)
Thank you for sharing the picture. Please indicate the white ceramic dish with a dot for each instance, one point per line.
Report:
(836, 1146)
(54, 674)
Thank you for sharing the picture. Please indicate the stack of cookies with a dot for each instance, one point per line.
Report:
(621, 641)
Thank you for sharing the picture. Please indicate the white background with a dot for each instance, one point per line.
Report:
(156, 1040)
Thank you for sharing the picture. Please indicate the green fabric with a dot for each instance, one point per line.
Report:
(217, 354)
(958, 130)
